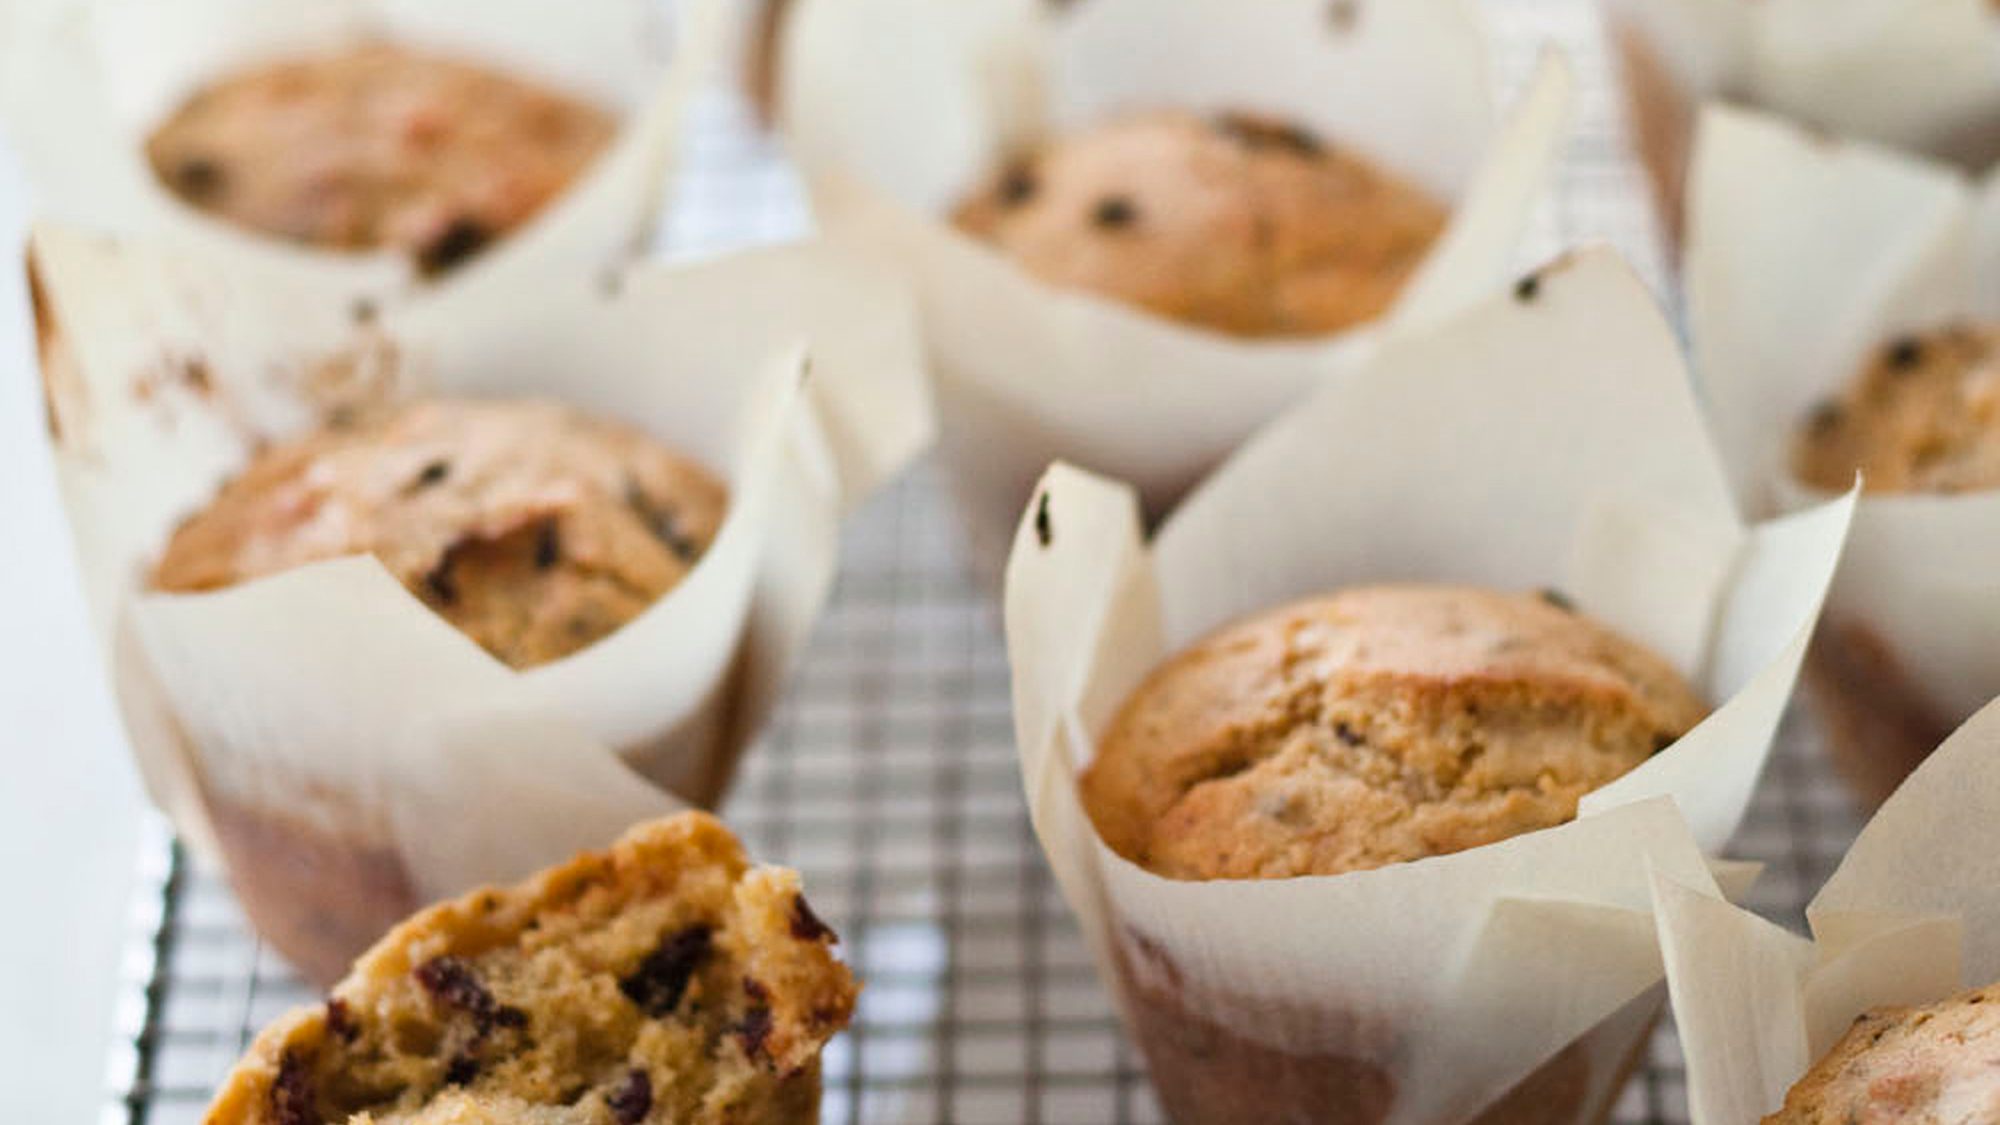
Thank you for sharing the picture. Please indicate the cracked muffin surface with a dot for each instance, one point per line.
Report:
(1376, 725)
(1922, 415)
(1930, 1065)
(534, 529)
(378, 146)
(663, 980)
(1236, 223)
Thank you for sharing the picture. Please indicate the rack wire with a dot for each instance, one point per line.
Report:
(889, 776)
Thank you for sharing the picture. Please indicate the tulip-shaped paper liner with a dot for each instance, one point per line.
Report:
(85, 82)
(1804, 257)
(1920, 77)
(318, 726)
(1029, 372)
(1547, 439)
(1912, 916)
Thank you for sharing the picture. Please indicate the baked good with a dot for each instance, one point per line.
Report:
(663, 980)
(1922, 415)
(1374, 726)
(532, 528)
(378, 146)
(1931, 1064)
(1237, 223)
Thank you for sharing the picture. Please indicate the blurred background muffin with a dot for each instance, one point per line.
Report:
(1242, 224)
(378, 147)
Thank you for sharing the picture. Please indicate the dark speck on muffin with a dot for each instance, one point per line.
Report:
(1115, 212)
(1017, 184)
(1906, 353)
(548, 545)
(200, 178)
(632, 1100)
(458, 242)
(660, 981)
(1826, 416)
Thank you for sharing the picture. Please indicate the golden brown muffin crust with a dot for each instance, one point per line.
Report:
(1932, 1065)
(1239, 224)
(664, 980)
(378, 146)
(1922, 416)
(1375, 726)
(532, 528)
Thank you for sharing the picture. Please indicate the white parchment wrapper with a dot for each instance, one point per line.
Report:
(329, 697)
(897, 108)
(1911, 916)
(1544, 439)
(84, 83)
(1923, 77)
(1803, 257)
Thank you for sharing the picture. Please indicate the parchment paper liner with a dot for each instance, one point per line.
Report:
(87, 81)
(325, 708)
(1911, 917)
(1803, 257)
(1920, 77)
(1545, 439)
(1028, 372)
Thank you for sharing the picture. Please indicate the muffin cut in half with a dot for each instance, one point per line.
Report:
(664, 980)
(1237, 223)
(534, 529)
(378, 147)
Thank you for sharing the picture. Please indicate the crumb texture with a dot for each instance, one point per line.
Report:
(1237, 223)
(662, 981)
(1932, 1065)
(532, 528)
(1922, 416)
(1374, 726)
(378, 147)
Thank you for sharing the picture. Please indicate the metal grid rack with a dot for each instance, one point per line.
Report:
(889, 777)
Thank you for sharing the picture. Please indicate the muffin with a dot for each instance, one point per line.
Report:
(664, 980)
(1905, 1064)
(1373, 726)
(1921, 416)
(378, 147)
(1240, 224)
(533, 529)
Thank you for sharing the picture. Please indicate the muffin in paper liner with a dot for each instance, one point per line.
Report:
(1029, 372)
(347, 753)
(84, 83)
(1803, 258)
(1920, 77)
(1544, 439)
(1911, 917)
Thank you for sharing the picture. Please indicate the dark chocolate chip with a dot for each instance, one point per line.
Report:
(1115, 212)
(1045, 529)
(660, 520)
(1905, 353)
(1017, 185)
(340, 1020)
(1528, 288)
(755, 1027)
(433, 473)
(200, 178)
(452, 983)
(632, 1100)
(807, 926)
(292, 1097)
(660, 981)
(453, 246)
(461, 1070)
(1664, 739)
(548, 545)
(1556, 598)
(1347, 734)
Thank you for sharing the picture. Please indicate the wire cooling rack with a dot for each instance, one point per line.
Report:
(888, 778)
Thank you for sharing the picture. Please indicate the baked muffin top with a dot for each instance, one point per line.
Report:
(1925, 1066)
(664, 980)
(532, 528)
(1373, 726)
(378, 147)
(1238, 224)
(1922, 416)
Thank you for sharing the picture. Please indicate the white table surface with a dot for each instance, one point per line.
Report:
(70, 805)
